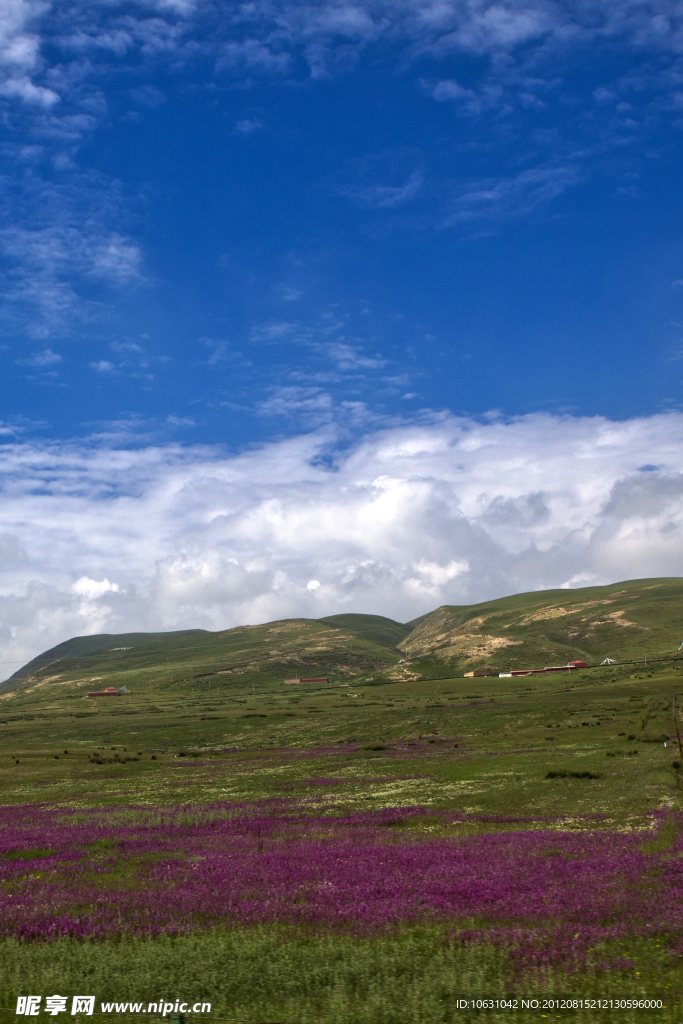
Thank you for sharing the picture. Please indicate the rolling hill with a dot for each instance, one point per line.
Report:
(385, 631)
(627, 621)
(261, 655)
(100, 643)
(624, 621)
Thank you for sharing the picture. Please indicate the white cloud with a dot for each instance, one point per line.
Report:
(448, 89)
(60, 243)
(247, 126)
(276, 38)
(430, 578)
(511, 196)
(55, 70)
(410, 517)
(352, 357)
(93, 588)
(20, 52)
(380, 196)
(299, 402)
(28, 92)
(41, 359)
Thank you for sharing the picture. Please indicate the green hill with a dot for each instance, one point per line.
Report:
(261, 656)
(627, 621)
(384, 630)
(85, 646)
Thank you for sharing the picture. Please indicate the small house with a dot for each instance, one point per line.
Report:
(320, 680)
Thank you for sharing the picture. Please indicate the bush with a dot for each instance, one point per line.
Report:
(571, 775)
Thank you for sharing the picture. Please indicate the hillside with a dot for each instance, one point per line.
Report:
(384, 630)
(258, 655)
(101, 643)
(627, 621)
(624, 621)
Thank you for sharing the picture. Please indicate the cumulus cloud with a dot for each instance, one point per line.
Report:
(20, 52)
(93, 588)
(28, 92)
(449, 510)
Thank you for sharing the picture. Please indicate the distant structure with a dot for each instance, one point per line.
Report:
(543, 671)
(110, 691)
(320, 679)
(479, 672)
(608, 661)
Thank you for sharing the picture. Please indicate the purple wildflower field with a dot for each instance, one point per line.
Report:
(546, 894)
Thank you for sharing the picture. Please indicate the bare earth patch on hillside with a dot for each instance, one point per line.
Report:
(468, 645)
(556, 612)
(617, 619)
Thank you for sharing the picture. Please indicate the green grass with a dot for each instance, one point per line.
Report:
(506, 744)
(636, 622)
(211, 720)
(274, 975)
(384, 630)
(199, 662)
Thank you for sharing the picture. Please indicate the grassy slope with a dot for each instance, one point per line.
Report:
(509, 733)
(101, 643)
(282, 742)
(624, 621)
(385, 631)
(248, 655)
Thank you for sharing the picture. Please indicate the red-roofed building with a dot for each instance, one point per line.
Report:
(320, 679)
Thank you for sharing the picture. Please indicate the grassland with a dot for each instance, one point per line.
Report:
(142, 800)
(636, 621)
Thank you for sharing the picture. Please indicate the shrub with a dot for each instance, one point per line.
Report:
(571, 775)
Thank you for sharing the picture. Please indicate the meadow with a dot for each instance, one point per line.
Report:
(375, 852)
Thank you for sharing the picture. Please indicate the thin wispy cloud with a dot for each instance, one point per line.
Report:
(511, 197)
(58, 240)
(382, 196)
(247, 126)
(59, 102)
(41, 359)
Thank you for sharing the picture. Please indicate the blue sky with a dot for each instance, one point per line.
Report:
(311, 226)
(218, 212)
